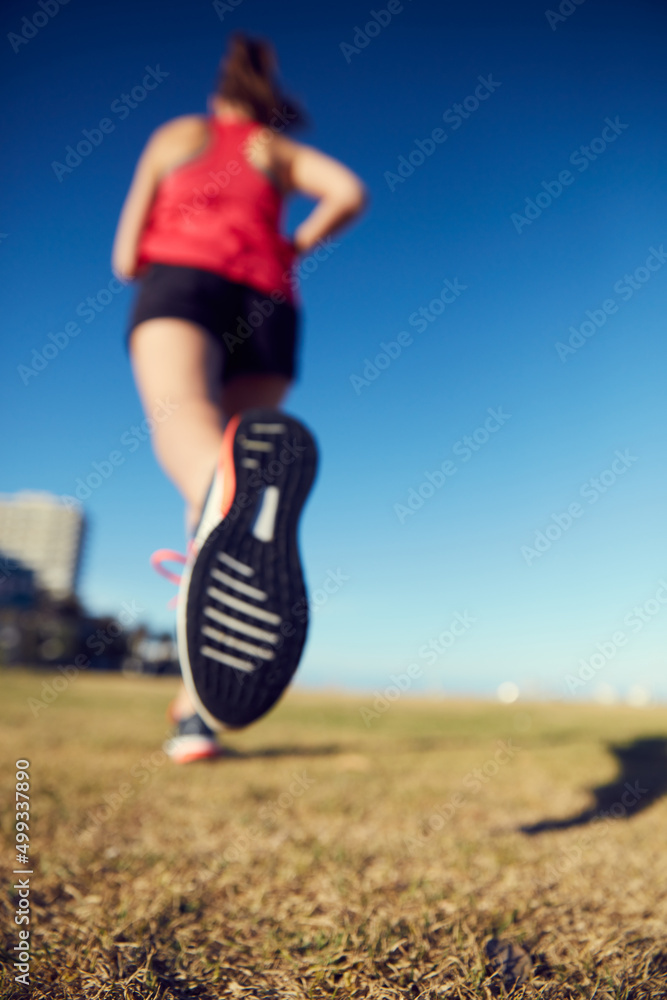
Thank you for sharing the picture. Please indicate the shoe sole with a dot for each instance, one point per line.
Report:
(243, 610)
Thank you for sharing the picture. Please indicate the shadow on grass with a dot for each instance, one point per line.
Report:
(642, 780)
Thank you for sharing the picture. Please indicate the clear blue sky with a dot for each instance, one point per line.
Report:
(562, 414)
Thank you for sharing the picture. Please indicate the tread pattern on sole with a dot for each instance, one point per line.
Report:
(247, 613)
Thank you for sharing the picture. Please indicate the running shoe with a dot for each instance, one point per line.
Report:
(242, 611)
(193, 740)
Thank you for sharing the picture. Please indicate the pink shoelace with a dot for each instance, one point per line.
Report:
(161, 556)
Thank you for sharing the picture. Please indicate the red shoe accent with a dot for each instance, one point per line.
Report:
(226, 465)
(189, 757)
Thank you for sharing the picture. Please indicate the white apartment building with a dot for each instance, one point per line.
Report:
(46, 535)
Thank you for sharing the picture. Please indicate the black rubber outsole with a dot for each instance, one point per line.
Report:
(234, 568)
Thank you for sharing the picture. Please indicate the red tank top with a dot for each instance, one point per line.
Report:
(220, 213)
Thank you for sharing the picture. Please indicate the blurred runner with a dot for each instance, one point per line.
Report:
(214, 330)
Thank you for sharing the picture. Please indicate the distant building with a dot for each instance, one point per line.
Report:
(46, 535)
(17, 583)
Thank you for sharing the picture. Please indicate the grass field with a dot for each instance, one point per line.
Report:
(329, 858)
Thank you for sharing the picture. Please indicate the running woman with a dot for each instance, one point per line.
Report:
(214, 330)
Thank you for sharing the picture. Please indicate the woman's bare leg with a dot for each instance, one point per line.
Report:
(177, 363)
(177, 366)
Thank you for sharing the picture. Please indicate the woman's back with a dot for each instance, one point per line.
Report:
(218, 205)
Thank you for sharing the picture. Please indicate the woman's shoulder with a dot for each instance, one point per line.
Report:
(181, 127)
(176, 140)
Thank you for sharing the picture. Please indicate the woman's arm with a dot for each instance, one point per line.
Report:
(340, 194)
(134, 213)
(169, 144)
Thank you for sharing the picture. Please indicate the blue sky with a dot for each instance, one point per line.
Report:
(551, 427)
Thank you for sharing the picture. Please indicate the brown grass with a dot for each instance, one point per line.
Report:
(203, 882)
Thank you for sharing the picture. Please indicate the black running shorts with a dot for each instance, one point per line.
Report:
(258, 334)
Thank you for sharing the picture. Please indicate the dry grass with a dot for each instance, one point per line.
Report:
(204, 882)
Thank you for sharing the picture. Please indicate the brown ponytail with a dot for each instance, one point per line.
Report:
(248, 75)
